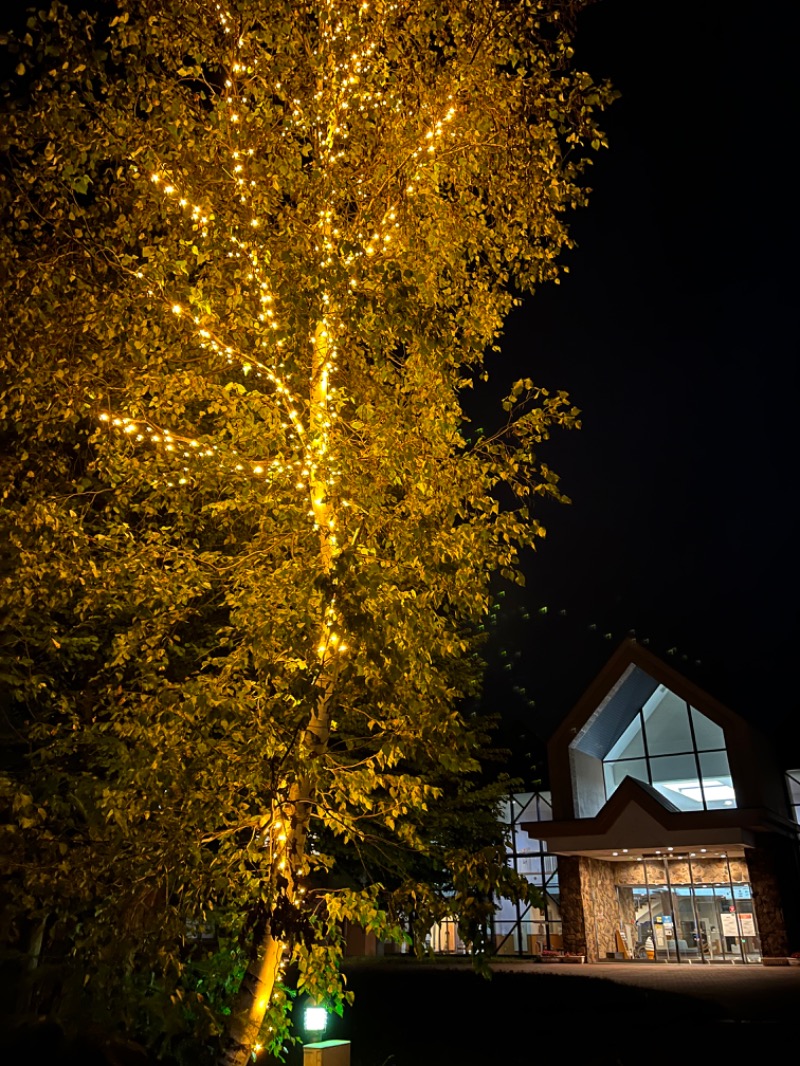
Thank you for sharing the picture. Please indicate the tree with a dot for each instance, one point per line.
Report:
(255, 256)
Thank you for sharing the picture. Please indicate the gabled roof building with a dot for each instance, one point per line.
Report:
(672, 824)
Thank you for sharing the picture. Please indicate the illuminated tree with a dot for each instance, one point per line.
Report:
(255, 253)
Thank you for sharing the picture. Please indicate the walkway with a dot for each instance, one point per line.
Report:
(439, 1013)
(750, 993)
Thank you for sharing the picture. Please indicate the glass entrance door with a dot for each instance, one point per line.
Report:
(636, 921)
(687, 918)
(727, 922)
(690, 941)
(707, 905)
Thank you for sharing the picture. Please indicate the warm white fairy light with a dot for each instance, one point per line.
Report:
(349, 93)
(308, 463)
(169, 188)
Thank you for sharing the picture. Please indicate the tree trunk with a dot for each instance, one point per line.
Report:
(251, 1003)
(255, 992)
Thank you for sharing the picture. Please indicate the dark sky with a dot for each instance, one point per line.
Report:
(675, 334)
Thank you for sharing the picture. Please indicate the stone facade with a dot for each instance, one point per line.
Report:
(702, 871)
(571, 905)
(600, 907)
(589, 908)
(767, 899)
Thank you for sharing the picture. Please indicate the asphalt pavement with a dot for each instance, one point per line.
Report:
(440, 1013)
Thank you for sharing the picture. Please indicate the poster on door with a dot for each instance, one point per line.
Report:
(729, 925)
(747, 922)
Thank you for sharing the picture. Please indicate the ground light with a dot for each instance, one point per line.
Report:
(321, 1052)
(315, 1020)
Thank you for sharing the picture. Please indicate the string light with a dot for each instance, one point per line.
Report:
(352, 90)
(304, 458)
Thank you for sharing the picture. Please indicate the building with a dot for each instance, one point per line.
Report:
(670, 830)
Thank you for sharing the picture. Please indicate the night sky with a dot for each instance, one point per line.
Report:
(675, 334)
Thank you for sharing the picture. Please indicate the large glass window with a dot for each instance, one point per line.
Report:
(526, 807)
(521, 929)
(707, 734)
(699, 910)
(615, 772)
(667, 725)
(675, 776)
(716, 780)
(676, 749)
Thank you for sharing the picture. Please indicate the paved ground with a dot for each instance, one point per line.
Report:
(608, 1014)
(750, 993)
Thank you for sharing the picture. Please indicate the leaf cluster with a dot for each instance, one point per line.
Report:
(187, 196)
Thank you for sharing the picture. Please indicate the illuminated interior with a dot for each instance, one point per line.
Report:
(677, 750)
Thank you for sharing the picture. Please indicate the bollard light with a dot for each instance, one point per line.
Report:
(315, 1019)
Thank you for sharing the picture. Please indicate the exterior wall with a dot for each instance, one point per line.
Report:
(704, 871)
(786, 852)
(358, 941)
(767, 898)
(587, 783)
(600, 907)
(754, 766)
(571, 905)
(589, 907)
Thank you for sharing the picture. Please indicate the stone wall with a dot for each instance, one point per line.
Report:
(767, 899)
(633, 873)
(571, 904)
(703, 871)
(600, 908)
(589, 907)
